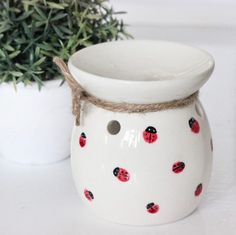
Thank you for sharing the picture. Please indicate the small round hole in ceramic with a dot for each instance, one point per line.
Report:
(113, 127)
(156, 154)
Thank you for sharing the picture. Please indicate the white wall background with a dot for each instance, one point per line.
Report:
(173, 12)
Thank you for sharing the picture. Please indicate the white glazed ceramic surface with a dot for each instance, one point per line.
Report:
(156, 168)
(35, 127)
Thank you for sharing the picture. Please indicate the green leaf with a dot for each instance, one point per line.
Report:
(45, 46)
(93, 16)
(58, 32)
(4, 78)
(4, 28)
(26, 29)
(65, 30)
(8, 47)
(56, 5)
(38, 80)
(39, 24)
(16, 73)
(24, 15)
(21, 67)
(47, 53)
(40, 12)
(37, 51)
(14, 54)
(40, 61)
(2, 54)
(59, 16)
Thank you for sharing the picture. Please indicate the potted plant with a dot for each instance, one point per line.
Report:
(35, 104)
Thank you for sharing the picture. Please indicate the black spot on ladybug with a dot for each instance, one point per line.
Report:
(150, 134)
(194, 125)
(178, 167)
(121, 174)
(198, 190)
(152, 208)
(82, 139)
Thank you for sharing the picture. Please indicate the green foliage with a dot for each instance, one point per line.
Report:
(32, 32)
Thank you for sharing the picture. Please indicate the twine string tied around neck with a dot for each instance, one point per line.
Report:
(79, 94)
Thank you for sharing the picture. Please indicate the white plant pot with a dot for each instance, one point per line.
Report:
(35, 126)
(155, 168)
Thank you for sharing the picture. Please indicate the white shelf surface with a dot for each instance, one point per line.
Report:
(42, 200)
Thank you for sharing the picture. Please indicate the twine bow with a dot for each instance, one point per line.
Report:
(79, 94)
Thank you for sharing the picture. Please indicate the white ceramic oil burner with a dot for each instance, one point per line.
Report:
(150, 166)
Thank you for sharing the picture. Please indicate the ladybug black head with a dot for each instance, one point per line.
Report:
(199, 186)
(179, 164)
(151, 129)
(191, 121)
(83, 135)
(91, 195)
(182, 164)
(150, 205)
(116, 171)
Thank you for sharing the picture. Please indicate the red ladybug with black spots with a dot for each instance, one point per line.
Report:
(152, 208)
(178, 167)
(194, 125)
(88, 195)
(198, 190)
(82, 140)
(150, 134)
(121, 174)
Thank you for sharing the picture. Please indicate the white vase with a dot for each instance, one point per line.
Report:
(150, 168)
(35, 125)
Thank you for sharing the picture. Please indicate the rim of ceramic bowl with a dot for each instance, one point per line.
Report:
(141, 71)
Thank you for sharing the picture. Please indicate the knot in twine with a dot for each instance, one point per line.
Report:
(79, 94)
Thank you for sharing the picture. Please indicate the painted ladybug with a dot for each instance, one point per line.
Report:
(194, 125)
(121, 174)
(178, 167)
(150, 134)
(88, 195)
(198, 190)
(152, 208)
(82, 140)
